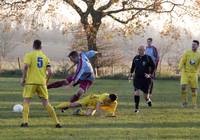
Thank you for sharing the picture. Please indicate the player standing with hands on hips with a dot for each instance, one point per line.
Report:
(143, 68)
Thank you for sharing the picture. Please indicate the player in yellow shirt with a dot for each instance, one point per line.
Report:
(93, 103)
(34, 81)
(189, 67)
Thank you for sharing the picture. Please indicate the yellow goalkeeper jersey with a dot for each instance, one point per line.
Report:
(190, 62)
(38, 63)
(106, 105)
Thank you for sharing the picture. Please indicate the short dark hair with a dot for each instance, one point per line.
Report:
(113, 97)
(37, 44)
(196, 41)
(150, 39)
(73, 54)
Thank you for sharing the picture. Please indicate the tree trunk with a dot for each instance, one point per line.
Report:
(91, 33)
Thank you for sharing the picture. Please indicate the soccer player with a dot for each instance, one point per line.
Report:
(34, 79)
(189, 66)
(143, 67)
(93, 103)
(151, 50)
(84, 75)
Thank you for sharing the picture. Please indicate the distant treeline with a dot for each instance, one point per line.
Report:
(59, 74)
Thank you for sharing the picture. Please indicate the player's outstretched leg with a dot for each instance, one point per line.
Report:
(76, 97)
(57, 84)
(67, 105)
(63, 106)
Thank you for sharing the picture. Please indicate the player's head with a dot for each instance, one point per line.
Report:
(141, 50)
(149, 41)
(74, 56)
(37, 44)
(113, 97)
(195, 45)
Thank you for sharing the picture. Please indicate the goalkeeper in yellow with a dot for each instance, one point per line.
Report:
(93, 104)
(189, 67)
(36, 73)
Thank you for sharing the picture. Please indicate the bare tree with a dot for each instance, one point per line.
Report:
(92, 12)
(111, 54)
(7, 42)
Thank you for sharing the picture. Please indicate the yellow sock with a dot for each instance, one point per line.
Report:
(63, 105)
(194, 98)
(25, 112)
(184, 97)
(52, 113)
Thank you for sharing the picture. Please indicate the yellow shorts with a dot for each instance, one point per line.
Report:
(88, 101)
(190, 79)
(40, 90)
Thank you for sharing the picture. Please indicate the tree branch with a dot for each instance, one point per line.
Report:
(128, 20)
(151, 7)
(14, 3)
(104, 7)
(129, 9)
(73, 5)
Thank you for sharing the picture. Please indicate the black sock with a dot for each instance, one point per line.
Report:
(137, 100)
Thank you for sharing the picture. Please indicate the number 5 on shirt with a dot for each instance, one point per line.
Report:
(40, 62)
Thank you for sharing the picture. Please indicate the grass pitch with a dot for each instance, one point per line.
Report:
(166, 120)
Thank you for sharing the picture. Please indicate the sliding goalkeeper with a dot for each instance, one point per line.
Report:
(94, 103)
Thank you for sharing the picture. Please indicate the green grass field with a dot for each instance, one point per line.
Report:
(165, 120)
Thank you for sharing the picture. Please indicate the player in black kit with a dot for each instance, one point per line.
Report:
(143, 68)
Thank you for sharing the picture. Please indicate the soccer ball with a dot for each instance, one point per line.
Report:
(17, 108)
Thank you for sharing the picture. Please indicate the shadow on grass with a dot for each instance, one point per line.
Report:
(119, 125)
(139, 125)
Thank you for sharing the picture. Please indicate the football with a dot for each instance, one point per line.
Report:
(17, 108)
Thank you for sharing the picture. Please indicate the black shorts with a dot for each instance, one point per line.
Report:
(141, 84)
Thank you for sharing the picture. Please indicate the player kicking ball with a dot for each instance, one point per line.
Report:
(93, 104)
(84, 75)
(143, 67)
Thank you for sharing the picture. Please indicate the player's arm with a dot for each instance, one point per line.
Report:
(90, 112)
(151, 67)
(98, 111)
(76, 77)
(132, 69)
(182, 62)
(24, 74)
(114, 108)
(91, 53)
(110, 108)
(27, 63)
